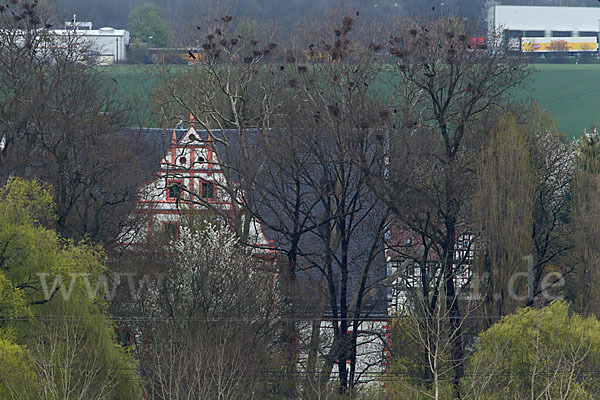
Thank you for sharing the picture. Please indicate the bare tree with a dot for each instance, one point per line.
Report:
(446, 87)
(339, 123)
(232, 96)
(69, 361)
(295, 138)
(216, 364)
(232, 93)
(429, 336)
(60, 123)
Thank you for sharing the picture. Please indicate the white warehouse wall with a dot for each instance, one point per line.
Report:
(530, 18)
(110, 43)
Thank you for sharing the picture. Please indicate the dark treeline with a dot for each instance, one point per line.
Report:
(286, 14)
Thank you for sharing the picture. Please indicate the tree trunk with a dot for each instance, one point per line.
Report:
(452, 307)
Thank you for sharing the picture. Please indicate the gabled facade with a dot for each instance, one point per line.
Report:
(190, 182)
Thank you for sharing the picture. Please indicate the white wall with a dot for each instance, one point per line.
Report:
(108, 42)
(525, 18)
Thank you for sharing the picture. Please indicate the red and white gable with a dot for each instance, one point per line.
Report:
(190, 181)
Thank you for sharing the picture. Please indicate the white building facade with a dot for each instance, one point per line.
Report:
(108, 44)
(576, 25)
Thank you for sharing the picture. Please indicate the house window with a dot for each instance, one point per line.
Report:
(208, 190)
(174, 190)
(170, 230)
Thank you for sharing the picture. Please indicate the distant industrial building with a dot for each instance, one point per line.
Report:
(545, 29)
(109, 45)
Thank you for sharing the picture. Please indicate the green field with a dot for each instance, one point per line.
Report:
(134, 84)
(570, 92)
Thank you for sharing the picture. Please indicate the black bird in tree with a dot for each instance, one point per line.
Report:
(191, 54)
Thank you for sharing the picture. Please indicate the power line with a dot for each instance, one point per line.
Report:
(372, 374)
(55, 317)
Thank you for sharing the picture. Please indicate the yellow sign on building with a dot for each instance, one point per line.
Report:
(549, 44)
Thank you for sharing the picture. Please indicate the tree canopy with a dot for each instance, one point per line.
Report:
(53, 325)
(146, 24)
(537, 353)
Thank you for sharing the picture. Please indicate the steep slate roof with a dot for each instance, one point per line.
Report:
(152, 143)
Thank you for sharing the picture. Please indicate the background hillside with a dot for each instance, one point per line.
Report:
(285, 14)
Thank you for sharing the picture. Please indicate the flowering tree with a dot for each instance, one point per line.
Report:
(213, 327)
